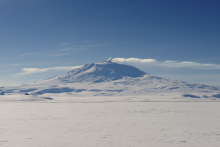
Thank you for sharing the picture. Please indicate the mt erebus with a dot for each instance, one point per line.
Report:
(109, 79)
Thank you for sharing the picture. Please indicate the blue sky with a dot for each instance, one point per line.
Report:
(40, 39)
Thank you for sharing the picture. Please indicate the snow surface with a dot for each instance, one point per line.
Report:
(107, 124)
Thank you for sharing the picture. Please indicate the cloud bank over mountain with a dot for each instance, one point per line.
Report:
(168, 63)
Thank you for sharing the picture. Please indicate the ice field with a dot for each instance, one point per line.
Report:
(107, 124)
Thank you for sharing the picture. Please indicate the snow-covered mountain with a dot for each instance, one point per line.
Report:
(112, 79)
(99, 72)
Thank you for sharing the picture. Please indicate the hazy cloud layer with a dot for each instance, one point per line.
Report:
(168, 63)
(26, 71)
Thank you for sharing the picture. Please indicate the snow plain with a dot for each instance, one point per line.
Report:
(106, 124)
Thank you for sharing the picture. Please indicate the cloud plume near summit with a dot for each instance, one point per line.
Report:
(133, 60)
(167, 63)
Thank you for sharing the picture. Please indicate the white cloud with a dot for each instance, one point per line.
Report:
(27, 71)
(133, 60)
(169, 63)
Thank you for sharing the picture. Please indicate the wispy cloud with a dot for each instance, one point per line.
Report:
(66, 43)
(71, 49)
(27, 71)
(59, 54)
(133, 60)
(7, 65)
(30, 54)
(54, 53)
(91, 45)
(83, 44)
(192, 65)
(169, 63)
(75, 43)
